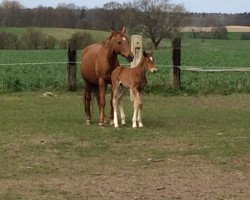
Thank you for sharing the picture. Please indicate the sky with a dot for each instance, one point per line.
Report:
(214, 6)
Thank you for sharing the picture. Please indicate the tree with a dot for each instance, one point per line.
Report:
(110, 15)
(12, 13)
(82, 39)
(159, 19)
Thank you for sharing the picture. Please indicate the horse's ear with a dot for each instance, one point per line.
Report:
(144, 53)
(151, 52)
(123, 29)
(112, 30)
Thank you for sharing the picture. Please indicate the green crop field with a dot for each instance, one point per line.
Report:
(195, 52)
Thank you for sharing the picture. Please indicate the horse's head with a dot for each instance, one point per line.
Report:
(148, 61)
(119, 43)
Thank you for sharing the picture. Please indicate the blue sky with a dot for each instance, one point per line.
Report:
(223, 6)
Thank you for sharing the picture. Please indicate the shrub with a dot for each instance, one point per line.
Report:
(82, 39)
(219, 32)
(245, 36)
(8, 40)
(33, 39)
(49, 42)
(63, 44)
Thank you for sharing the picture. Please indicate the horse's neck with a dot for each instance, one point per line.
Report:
(111, 57)
(140, 68)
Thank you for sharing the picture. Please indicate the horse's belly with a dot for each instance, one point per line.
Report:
(88, 64)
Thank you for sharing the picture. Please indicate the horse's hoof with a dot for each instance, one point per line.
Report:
(88, 122)
(111, 122)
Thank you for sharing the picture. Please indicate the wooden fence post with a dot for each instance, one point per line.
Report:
(176, 60)
(72, 65)
(136, 48)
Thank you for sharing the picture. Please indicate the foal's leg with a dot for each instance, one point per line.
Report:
(123, 120)
(87, 100)
(116, 125)
(140, 105)
(115, 100)
(136, 106)
(102, 89)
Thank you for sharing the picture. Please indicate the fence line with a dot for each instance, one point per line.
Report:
(46, 63)
(212, 69)
(183, 68)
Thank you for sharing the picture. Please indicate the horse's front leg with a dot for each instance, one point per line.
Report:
(102, 89)
(111, 118)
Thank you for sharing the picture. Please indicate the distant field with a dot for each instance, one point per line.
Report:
(229, 28)
(65, 33)
(59, 33)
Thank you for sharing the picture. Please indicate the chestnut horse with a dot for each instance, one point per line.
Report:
(135, 79)
(98, 62)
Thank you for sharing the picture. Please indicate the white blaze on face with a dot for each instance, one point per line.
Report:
(124, 39)
(151, 58)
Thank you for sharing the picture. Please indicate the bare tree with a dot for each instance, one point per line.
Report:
(159, 19)
(12, 12)
(110, 15)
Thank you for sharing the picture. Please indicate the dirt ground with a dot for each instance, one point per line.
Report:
(178, 178)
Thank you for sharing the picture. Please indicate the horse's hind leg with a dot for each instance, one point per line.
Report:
(102, 89)
(87, 101)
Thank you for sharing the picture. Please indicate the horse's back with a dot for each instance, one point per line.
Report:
(89, 57)
(120, 73)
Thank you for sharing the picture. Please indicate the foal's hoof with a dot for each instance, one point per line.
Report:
(111, 122)
(140, 125)
(101, 124)
(88, 122)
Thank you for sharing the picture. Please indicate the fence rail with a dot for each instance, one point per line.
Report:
(213, 69)
(183, 68)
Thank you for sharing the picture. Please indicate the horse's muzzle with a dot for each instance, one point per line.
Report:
(130, 58)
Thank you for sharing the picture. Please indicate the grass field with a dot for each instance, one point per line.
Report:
(190, 148)
(195, 52)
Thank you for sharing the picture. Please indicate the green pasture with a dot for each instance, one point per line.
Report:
(189, 146)
(195, 52)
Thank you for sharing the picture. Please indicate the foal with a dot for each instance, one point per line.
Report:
(135, 79)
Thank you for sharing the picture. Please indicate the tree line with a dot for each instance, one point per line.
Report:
(155, 19)
(112, 14)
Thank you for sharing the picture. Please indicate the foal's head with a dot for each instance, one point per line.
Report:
(148, 61)
(119, 42)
